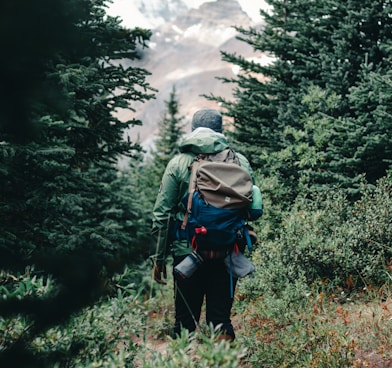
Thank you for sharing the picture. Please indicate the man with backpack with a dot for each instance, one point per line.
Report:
(199, 266)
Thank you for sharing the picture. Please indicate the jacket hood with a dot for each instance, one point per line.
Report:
(203, 140)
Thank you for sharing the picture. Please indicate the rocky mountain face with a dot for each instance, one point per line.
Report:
(150, 13)
(185, 53)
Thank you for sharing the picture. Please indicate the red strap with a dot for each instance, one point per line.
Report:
(194, 243)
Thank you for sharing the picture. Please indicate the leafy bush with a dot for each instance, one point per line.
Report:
(331, 238)
(101, 335)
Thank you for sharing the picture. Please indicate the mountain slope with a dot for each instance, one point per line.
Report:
(185, 53)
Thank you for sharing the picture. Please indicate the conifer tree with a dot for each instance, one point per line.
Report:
(371, 101)
(352, 135)
(171, 129)
(295, 118)
(62, 208)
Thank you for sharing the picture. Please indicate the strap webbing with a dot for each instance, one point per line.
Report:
(231, 278)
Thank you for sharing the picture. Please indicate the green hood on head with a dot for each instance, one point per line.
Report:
(203, 140)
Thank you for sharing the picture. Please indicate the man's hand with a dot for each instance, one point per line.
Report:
(160, 274)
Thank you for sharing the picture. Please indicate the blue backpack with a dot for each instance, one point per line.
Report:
(218, 202)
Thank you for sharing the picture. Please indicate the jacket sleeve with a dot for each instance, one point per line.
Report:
(163, 212)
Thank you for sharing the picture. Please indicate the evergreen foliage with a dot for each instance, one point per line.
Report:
(308, 117)
(171, 129)
(63, 207)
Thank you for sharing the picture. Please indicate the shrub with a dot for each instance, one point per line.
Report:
(330, 238)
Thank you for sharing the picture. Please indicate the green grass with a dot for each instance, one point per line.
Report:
(299, 327)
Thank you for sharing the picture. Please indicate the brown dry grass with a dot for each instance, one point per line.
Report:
(369, 324)
(364, 322)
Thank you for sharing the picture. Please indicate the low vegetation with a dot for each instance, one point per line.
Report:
(290, 313)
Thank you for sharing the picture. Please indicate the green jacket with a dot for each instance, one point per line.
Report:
(174, 186)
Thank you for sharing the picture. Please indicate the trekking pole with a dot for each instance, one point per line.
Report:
(152, 269)
(188, 306)
(156, 252)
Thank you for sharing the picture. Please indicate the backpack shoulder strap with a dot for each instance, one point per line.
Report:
(192, 186)
(195, 165)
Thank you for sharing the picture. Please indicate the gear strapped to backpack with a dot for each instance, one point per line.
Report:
(219, 197)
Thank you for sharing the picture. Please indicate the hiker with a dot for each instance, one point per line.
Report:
(211, 278)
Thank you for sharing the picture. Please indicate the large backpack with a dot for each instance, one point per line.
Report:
(218, 200)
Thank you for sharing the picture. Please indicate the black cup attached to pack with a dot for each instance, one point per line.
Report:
(187, 267)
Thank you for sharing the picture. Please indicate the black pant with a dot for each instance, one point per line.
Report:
(211, 281)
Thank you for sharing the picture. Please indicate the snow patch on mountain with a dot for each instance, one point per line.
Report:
(252, 8)
(216, 36)
(263, 61)
(153, 13)
(146, 13)
(181, 73)
(177, 29)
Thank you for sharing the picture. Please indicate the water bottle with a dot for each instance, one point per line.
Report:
(256, 209)
(187, 267)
